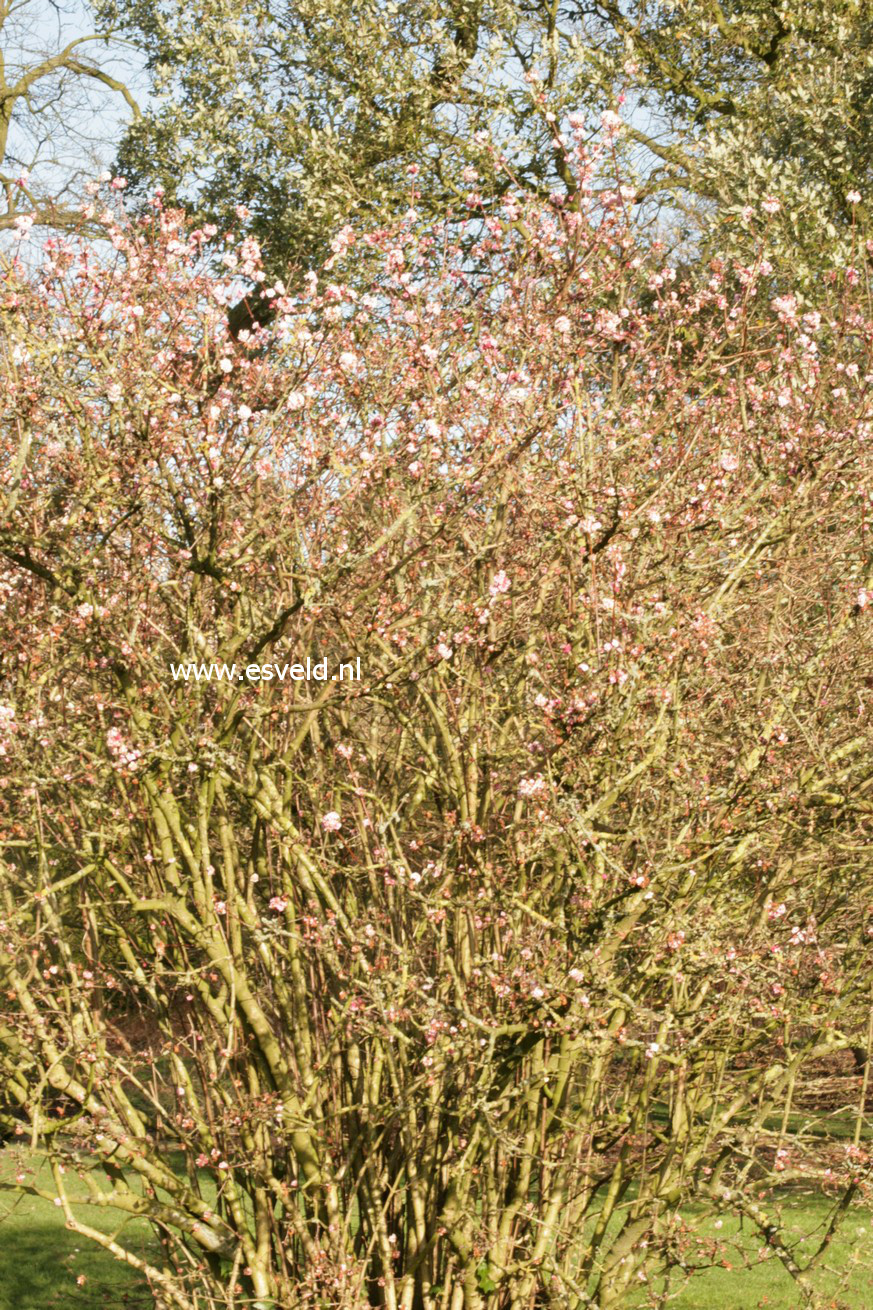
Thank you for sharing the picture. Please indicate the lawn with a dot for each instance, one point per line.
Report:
(40, 1261)
(846, 1275)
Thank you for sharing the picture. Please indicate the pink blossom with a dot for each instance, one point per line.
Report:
(500, 583)
(124, 755)
(278, 903)
(770, 205)
(531, 786)
(343, 240)
(786, 308)
(331, 822)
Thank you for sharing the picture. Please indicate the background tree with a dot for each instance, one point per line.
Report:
(310, 113)
(56, 78)
(757, 99)
(450, 988)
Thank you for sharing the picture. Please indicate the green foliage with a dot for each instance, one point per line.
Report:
(309, 113)
(484, 1280)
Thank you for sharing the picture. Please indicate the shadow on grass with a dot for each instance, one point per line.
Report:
(40, 1263)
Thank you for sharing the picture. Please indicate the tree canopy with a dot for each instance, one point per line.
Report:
(309, 112)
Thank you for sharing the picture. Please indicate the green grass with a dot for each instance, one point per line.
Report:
(40, 1260)
(845, 1272)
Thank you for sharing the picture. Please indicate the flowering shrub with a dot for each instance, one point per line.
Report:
(448, 987)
